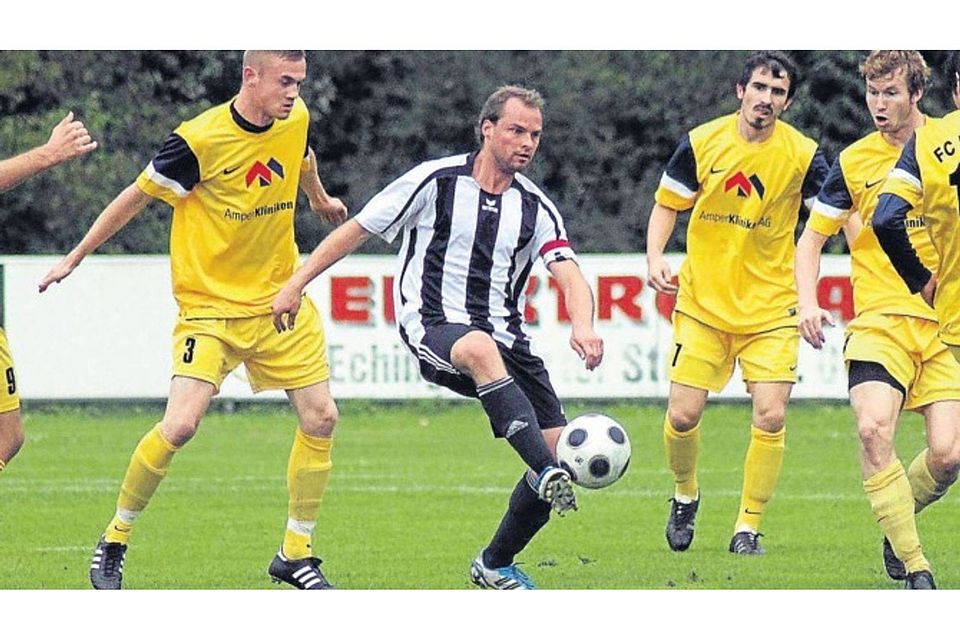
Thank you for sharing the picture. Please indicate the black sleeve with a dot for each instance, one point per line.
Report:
(816, 175)
(682, 166)
(889, 223)
(834, 192)
(176, 161)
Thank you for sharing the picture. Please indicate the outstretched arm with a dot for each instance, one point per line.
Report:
(342, 241)
(68, 140)
(579, 298)
(328, 208)
(118, 213)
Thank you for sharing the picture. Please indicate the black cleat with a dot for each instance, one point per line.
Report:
(895, 568)
(680, 524)
(920, 580)
(106, 568)
(746, 543)
(303, 574)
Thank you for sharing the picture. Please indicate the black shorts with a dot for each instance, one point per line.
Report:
(527, 370)
(859, 371)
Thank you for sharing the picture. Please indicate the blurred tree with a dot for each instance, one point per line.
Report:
(613, 118)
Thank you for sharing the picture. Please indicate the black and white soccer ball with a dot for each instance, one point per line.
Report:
(595, 450)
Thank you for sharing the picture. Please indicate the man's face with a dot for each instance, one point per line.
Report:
(514, 138)
(275, 84)
(890, 102)
(764, 98)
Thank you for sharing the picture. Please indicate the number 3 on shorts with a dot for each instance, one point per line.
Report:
(190, 344)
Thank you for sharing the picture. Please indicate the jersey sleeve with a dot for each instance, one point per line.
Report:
(815, 177)
(172, 173)
(403, 199)
(902, 192)
(550, 236)
(679, 184)
(905, 180)
(833, 204)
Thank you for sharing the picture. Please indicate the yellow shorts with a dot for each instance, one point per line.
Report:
(210, 348)
(9, 398)
(910, 350)
(704, 357)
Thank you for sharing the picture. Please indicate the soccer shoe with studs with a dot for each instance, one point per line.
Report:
(554, 486)
(746, 543)
(303, 574)
(680, 524)
(106, 568)
(504, 578)
(895, 568)
(920, 580)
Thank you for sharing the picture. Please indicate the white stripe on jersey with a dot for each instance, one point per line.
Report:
(676, 186)
(826, 210)
(898, 173)
(158, 178)
(438, 207)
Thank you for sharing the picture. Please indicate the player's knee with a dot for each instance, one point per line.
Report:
(683, 418)
(12, 439)
(944, 461)
(874, 433)
(477, 353)
(319, 420)
(179, 430)
(769, 419)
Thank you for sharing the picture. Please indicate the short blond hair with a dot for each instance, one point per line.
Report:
(254, 57)
(884, 62)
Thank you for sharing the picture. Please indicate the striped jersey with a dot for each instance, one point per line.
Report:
(927, 176)
(233, 188)
(738, 275)
(465, 254)
(853, 187)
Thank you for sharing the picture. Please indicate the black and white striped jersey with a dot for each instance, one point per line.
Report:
(466, 254)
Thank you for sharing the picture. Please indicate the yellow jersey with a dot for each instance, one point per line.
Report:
(927, 176)
(233, 188)
(738, 275)
(853, 186)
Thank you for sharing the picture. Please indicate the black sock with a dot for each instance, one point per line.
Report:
(513, 417)
(526, 515)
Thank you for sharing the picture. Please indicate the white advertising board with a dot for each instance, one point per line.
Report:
(105, 332)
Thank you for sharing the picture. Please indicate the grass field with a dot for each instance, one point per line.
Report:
(418, 489)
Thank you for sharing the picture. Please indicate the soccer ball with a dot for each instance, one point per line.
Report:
(594, 450)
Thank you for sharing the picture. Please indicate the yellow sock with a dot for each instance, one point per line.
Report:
(148, 466)
(307, 474)
(683, 449)
(926, 490)
(761, 470)
(891, 500)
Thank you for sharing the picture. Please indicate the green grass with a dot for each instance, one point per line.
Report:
(418, 488)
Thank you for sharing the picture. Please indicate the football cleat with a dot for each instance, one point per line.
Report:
(106, 568)
(554, 486)
(895, 568)
(920, 580)
(746, 543)
(683, 516)
(303, 574)
(504, 578)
